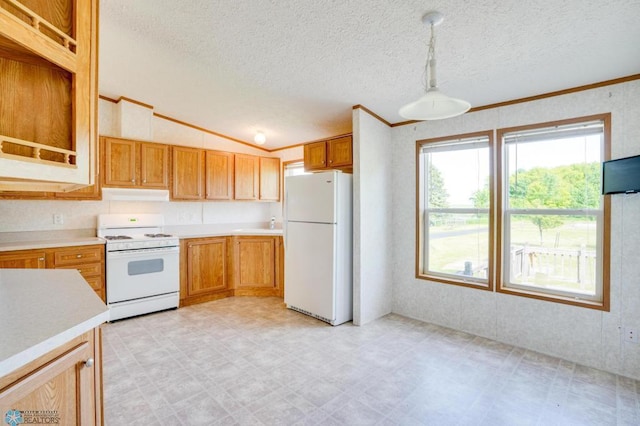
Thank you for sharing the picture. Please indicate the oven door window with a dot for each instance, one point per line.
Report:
(139, 267)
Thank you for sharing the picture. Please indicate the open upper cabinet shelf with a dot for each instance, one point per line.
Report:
(48, 94)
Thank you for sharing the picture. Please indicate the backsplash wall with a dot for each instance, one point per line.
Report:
(31, 215)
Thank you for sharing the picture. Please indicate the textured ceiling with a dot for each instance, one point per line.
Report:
(294, 68)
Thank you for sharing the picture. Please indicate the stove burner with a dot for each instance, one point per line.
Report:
(117, 237)
(158, 235)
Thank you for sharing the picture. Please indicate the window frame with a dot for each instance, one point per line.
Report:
(605, 249)
(497, 180)
(421, 208)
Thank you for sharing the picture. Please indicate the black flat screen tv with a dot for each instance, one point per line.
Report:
(621, 176)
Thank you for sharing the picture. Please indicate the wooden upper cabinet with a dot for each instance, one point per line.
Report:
(315, 156)
(247, 177)
(48, 78)
(336, 153)
(269, 179)
(187, 173)
(91, 192)
(219, 172)
(131, 164)
(340, 152)
(119, 162)
(154, 165)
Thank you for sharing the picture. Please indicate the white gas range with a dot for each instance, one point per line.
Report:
(142, 263)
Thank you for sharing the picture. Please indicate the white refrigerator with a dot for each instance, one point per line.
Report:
(318, 241)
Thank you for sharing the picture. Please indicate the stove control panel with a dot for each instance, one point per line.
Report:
(137, 245)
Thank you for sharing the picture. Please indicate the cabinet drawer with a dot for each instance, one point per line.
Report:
(86, 270)
(78, 255)
(96, 283)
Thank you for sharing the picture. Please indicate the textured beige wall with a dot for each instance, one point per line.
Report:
(582, 335)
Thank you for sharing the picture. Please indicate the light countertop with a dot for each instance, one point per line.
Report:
(41, 310)
(33, 240)
(27, 240)
(217, 230)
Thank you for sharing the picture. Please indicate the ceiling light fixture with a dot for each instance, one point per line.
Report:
(433, 105)
(260, 138)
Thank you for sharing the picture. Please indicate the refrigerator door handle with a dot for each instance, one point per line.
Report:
(284, 218)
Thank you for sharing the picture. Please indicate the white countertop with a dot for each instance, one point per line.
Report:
(27, 240)
(217, 230)
(41, 310)
(33, 240)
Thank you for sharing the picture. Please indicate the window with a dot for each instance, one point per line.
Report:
(532, 223)
(293, 168)
(553, 216)
(454, 224)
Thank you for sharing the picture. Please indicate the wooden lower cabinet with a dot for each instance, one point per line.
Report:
(217, 267)
(62, 387)
(23, 259)
(257, 266)
(204, 267)
(88, 260)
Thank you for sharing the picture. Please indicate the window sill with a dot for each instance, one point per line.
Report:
(590, 304)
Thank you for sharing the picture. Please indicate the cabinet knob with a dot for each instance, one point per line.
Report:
(41, 259)
(133, 181)
(144, 181)
(78, 256)
(330, 161)
(89, 362)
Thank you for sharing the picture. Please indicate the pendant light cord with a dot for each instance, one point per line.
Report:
(430, 67)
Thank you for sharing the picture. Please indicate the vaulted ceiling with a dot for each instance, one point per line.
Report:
(295, 68)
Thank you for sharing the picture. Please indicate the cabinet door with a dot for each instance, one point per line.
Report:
(269, 179)
(219, 175)
(255, 262)
(340, 152)
(315, 156)
(23, 259)
(188, 173)
(119, 162)
(49, 92)
(154, 165)
(206, 266)
(62, 391)
(247, 178)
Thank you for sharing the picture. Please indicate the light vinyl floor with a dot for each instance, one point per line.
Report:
(251, 361)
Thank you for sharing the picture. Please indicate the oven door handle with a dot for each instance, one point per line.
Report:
(131, 254)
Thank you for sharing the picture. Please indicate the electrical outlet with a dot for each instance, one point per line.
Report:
(630, 335)
(58, 219)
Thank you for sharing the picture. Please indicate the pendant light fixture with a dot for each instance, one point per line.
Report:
(433, 105)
